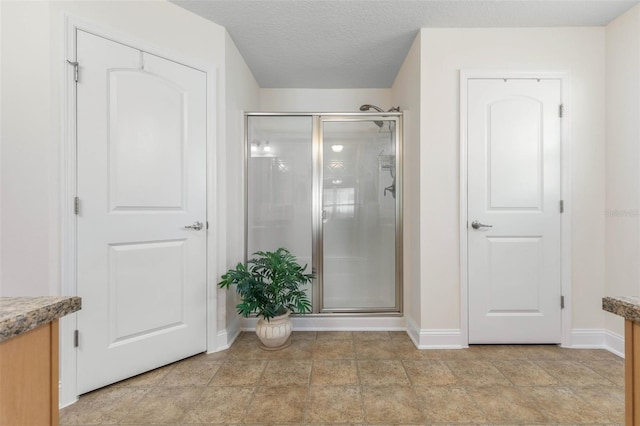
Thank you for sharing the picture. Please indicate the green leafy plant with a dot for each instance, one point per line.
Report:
(270, 284)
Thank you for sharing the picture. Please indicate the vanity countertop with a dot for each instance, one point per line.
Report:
(627, 307)
(21, 314)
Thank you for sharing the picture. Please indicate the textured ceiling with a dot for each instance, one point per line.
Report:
(362, 43)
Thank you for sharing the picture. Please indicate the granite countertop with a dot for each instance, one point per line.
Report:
(627, 307)
(21, 314)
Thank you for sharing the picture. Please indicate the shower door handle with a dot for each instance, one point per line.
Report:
(324, 214)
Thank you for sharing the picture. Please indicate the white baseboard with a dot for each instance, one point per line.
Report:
(435, 338)
(414, 332)
(441, 339)
(338, 323)
(587, 338)
(597, 338)
(614, 343)
(226, 337)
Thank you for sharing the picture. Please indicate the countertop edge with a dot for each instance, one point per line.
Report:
(627, 308)
(43, 313)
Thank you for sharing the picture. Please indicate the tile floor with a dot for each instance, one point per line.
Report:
(373, 378)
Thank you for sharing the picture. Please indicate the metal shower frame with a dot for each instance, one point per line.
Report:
(316, 209)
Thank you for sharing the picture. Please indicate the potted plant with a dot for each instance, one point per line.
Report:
(269, 285)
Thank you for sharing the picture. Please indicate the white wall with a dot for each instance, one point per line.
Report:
(322, 100)
(26, 168)
(623, 161)
(405, 92)
(579, 51)
(242, 94)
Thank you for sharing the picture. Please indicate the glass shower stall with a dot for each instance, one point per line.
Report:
(328, 188)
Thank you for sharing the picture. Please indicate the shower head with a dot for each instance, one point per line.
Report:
(367, 107)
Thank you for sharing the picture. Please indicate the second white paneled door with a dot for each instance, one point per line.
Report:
(141, 145)
(513, 230)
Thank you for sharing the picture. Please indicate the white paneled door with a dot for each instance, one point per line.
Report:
(513, 201)
(141, 144)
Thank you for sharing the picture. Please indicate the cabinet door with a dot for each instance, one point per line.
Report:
(29, 377)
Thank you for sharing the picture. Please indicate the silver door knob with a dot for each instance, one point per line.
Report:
(477, 225)
(197, 226)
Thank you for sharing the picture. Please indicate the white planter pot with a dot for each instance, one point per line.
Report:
(274, 334)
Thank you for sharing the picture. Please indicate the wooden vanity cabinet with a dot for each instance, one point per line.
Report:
(29, 377)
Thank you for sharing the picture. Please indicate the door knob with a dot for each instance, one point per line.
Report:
(196, 225)
(477, 225)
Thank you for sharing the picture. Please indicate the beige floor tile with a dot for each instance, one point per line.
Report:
(371, 335)
(506, 404)
(339, 372)
(334, 404)
(613, 369)
(297, 349)
(333, 349)
(191, 373)
(249, 336)
(448, 405)
(248, 349)
(609, 400)
(303, 335)
(147, 380)
(448, 354)
(525, 373)
(391, 404)
(102, 407)
(561, 405)
(434, 382)
(429, 372)
(544, 352)
(163, 405)
(399, 335)
(238, 373)
(216, 356)
(334, 335)
(382, 373)
(376, 349)
(220, 404)
(278, 404)
(477, 373)
(405, 349)
(573, 373)
(588, 354)
(498, 352)
(164, 424)
(286, 372)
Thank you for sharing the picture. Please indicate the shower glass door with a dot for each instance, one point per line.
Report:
(279, 186)
(328, 189)
(359, 215)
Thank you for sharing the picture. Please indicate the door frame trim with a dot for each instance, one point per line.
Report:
(565, 189)
(68, 185)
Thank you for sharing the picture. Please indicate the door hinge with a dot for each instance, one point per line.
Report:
(561, 111)
(75, 66)
(561, 302)
(207, 224)
(76, 205)
(561, 206)
(76, 338)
